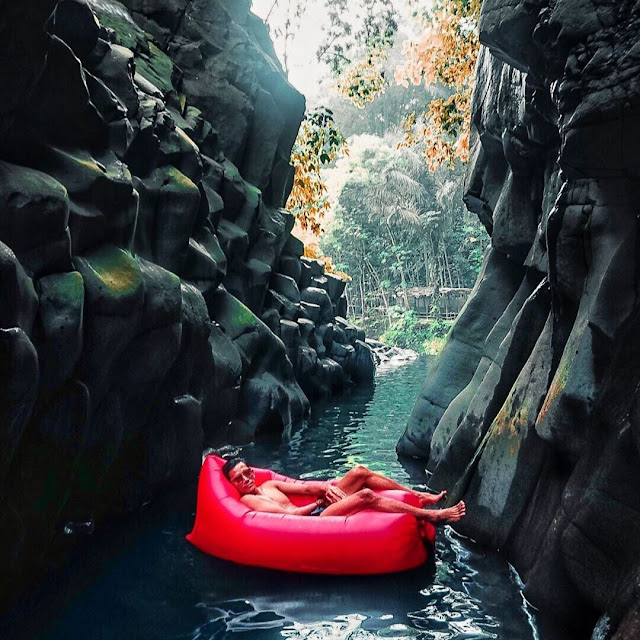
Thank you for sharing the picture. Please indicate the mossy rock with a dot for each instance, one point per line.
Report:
(112, 279)
(254, 195)
(61, 321)
(234, 317)
(33, 207)
(156, 67)
(162, 296)
(151, 63)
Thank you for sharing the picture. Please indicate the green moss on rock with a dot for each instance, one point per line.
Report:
(156, 67)
(151, 63)
(64, 289)
(112, 280)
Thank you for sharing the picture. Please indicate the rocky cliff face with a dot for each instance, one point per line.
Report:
(531, 414)
(152, 298)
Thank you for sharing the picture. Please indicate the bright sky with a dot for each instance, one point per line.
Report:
(305, 71)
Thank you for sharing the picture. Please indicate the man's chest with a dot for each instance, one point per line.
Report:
(274, 495)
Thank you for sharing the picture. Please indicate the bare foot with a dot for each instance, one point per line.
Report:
(450, 514)
(427, 499)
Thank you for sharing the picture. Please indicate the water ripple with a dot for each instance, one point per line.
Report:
(234, 617)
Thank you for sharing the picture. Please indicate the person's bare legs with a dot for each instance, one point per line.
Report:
(362, 478)
(367, 499)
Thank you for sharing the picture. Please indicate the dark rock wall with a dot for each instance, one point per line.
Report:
(531, 414)
(152, 299)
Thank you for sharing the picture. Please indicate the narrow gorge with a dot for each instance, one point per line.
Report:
(153, 301)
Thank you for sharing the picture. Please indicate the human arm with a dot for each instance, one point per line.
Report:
(325, 491)
(258, 503)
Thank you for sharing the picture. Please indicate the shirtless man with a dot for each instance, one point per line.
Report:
(352, 493)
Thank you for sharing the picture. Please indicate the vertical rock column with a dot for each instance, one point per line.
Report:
(540, 437)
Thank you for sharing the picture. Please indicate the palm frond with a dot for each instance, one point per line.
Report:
(404, 185)
(431, 217)
(409, 215)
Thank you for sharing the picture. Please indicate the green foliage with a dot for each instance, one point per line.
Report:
(356, 28)
(409, 332)
(151, 63)
(317, 143)
(397, 225)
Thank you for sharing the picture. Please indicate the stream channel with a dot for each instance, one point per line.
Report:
(142, 580)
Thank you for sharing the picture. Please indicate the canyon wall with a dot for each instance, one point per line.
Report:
(153, 299)
(531, 413)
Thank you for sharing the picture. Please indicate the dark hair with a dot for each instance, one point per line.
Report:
(230, 464)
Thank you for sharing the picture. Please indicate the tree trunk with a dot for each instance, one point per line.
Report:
(385, 301)
(349, 310)
(446, 261)
(426, 266)
(402, 276)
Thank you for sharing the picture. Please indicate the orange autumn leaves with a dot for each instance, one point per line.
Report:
(318, 142)
(312, 250)
(446, 52)
(364, 80)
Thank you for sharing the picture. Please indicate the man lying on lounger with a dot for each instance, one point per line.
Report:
(352, 493)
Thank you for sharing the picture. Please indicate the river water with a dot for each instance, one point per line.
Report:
(142, 580)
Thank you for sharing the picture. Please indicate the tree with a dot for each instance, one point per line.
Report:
(398, 225)
(386, 113)
(355, 48)
(445, 53)
(317, 144)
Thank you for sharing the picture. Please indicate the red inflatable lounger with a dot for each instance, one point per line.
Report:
(364, 543)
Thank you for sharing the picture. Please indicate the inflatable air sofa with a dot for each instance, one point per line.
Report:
(368, 542)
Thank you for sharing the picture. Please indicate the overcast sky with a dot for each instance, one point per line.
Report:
(304, 70)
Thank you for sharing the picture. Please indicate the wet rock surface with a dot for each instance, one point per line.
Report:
(152, 294)
(531, 412)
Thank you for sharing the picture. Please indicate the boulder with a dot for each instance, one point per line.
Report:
(314, 295)
(103, 205)
(59, 336)
(496, 285)
(362, 365)
(19, 299)
(168, 209)
(114, 293)
(286, 286)
(18, 391)
(221, 405)
(70, 118)
(34, 213)
(290, 266)
(499, 335)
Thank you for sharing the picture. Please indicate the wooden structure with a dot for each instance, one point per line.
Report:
(444, 303)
